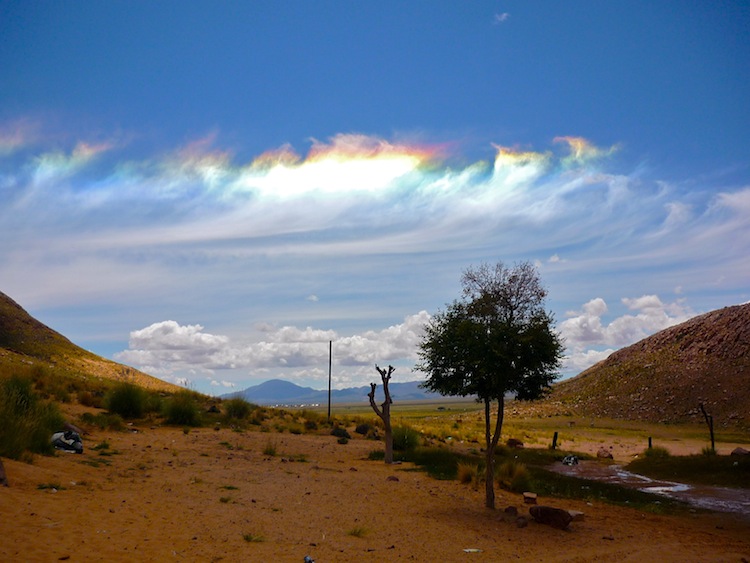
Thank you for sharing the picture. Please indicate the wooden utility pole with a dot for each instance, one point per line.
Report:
(330, 357)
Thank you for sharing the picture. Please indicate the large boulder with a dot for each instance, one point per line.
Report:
(555, 517)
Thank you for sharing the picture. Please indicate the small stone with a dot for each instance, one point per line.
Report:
(511, 510)
(529, 498)
(576, 515)
(521, 522)
(392, 478)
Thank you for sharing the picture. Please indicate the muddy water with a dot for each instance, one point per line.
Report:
(719, 499)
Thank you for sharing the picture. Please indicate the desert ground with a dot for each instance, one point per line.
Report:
(162, 494)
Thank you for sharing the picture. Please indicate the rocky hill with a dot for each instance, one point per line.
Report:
(24, 341)
(665, 377)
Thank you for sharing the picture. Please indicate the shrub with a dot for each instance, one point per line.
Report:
(513, 476)
(237, 408)
(90, 399)
(469, 473)
(127, 400)
(182, 410)
(26, 423)
(656, 452)
(363, 429)
(103, 421)
(340, 432)
(270, 449)
(405, 438)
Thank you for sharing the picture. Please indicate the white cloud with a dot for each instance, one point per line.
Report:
(584, 331)
(501, 18)
(168, 348)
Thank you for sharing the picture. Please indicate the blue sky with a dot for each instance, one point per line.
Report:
(212, 191)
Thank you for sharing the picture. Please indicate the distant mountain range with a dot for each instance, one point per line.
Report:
(280, 392)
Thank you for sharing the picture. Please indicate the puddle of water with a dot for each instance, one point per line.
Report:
(719, 499)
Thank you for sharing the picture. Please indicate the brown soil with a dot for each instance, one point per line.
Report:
(170, 496)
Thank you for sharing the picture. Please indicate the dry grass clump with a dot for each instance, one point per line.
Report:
(513, 475)
(470, 474)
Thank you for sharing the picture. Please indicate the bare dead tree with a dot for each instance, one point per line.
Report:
(384, 410)
(710, 422)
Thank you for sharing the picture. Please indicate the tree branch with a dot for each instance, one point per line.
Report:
(374, 406)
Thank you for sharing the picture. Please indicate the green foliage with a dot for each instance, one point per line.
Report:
(238, 408)
(26, 422)
(498, 339)
(363, 429)
(253, 538)
(656, 452)
(405, 438)
(127, 400)
(340, 432)
(182, 410)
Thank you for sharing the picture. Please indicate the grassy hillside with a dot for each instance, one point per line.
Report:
(28, 345)
(665, 378)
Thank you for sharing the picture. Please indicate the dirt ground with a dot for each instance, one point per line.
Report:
(165, 495)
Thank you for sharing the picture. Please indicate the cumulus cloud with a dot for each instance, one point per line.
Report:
(167, 348)
(589, 339)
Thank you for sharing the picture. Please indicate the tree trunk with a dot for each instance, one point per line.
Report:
(384, 411)
(491, 441)
(388, 440)
(489, 461)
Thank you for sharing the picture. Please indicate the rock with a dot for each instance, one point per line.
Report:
(576, 515)
(522, 522)
(529, 498)
(514, 443)
(511, 511)
(392, 478)
(604, 453)
(555, 517)
(739, 451)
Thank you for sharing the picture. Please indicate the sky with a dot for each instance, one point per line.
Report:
(212, 192)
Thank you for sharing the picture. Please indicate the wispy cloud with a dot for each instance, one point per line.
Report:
(500, 18)
(350, 239)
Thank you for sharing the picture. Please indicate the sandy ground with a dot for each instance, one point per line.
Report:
(170, 496)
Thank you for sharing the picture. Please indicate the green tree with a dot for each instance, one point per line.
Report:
(496, 340)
